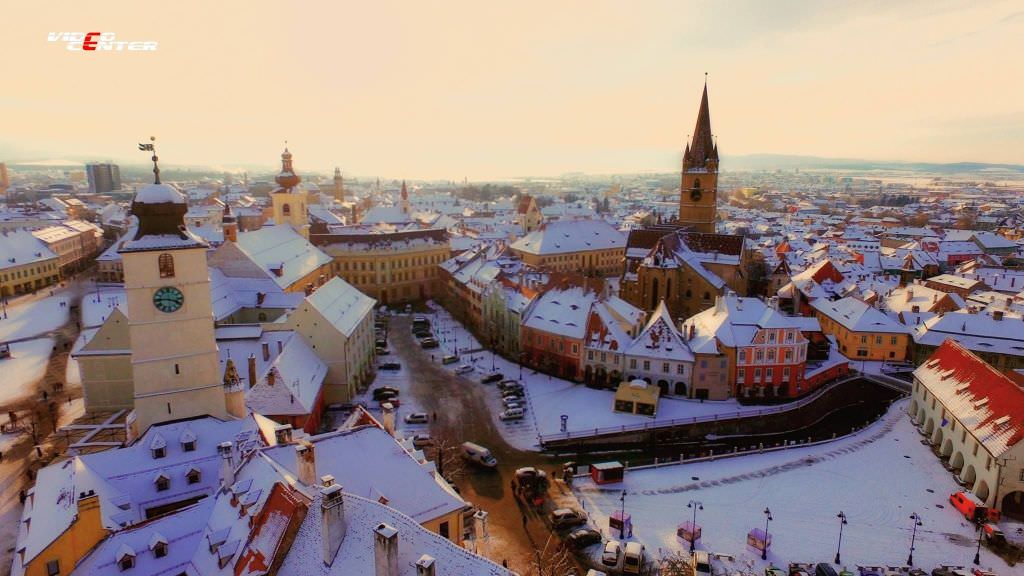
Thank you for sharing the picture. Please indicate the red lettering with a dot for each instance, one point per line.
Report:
(89, 43)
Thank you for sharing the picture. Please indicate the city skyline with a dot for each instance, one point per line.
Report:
(487, 92)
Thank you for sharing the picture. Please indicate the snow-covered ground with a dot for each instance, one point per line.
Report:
(878, 477)
(96, 306)
(548, 398)
(27, 364)
(33, 316)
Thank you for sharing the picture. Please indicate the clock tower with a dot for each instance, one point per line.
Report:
(290, 201)
(175, 367)
(698, 191)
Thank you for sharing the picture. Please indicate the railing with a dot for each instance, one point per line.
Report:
(658, 424)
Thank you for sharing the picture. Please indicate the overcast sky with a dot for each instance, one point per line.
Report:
(492, 89)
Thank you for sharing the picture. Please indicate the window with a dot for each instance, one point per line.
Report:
(743, 356)
(159, 452)
(632, 363)
(193, 476)
(703, 363)
(647, 364)
(769, 373)
(286, 209)
(443, 530)
(165, 262)
(127, 561)
(590, 354)
(975, 453)
(681, 369)
(53, 566)
(789, 355)
(189, 446)
(892, 340)
(160, 549)
(785, 374)
(771, 336)
(163, 483)
(863, 339)
(988, 463)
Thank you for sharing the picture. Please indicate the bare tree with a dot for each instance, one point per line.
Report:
(448, 459)
(675, 564)
(553, 559)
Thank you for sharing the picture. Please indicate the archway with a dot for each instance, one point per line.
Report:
(921, 416)
(1013, 505)
(588, 374)
(913, 409)
(663, 386)
(956, 464)
(929, 426)
(680, 389)
(614, 378)
(937, 437)
(982, 491)
(969, 476)
(947, 448)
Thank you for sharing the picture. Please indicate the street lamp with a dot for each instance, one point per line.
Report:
(767, 519)
(977, 553)
(696, 505)
(622, 515)
(842, 522)
(913, 536)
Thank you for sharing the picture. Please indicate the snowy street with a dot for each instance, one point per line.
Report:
(878, 477)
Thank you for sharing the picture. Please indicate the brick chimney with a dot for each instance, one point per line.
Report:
(305, 455)
(385, 550)
(332, 520)
(425, 566)
(389, 417)
(266, 351)
(227, 463)
(997, 315)
(252, 370)
(283, 433)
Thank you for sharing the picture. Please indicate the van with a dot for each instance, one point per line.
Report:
(701, 563)
(633, 559)
(478, 454)
(972, 508)
(450, 359)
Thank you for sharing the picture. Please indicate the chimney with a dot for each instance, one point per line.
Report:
(480, 525)
(306, 457)
(915, 309)
(271, 376)
(283, 433)
(266, 351)
(252, 370)
(227, 464)
(997, 315)
(910, 294)
(773, 303)
(389, 417)
(693, 331)
(385, 550)
(260, 297)
(425, 566)
(332, 520)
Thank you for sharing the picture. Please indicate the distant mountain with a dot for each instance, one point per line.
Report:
(790, 162)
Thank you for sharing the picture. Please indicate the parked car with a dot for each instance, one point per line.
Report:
(512, 394)
(510, 404)
(382, 391)
(701, 563)
(478, 455)
(381, 351)
(582, 538)
(390, 366)
(492, 378)
(464, 369)
(450, 359)
(945, 570)
(417, 418)
(567, 517)
(511, 414)
(612, 553)
(429, 343)
(509, 383)
(420, 441)
(634, 558)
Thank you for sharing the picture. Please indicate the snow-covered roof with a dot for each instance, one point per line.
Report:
(856, 316)
(20, 247)
(565, 236)
(341, 304)
(985, 401)
(561, 311)
(660, 338)
(159, 194)
(734, 321)
(979, 332)
(294, 386)
(281, 248)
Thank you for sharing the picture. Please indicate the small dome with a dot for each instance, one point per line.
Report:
(159, 194)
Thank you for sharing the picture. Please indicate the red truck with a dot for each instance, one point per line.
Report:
(972, 508)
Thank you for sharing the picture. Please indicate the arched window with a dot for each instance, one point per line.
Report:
(286, 209)
(696, 183)
(166, 264)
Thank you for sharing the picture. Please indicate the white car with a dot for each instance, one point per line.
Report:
(511, 414)
(612, 553)
(417, 418)
(464, 369)
(510, 404)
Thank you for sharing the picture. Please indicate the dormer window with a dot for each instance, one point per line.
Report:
(163, 483)
(159, 452)
(193, 476)
(189, 446)
(166, 264)
(125, 558)
(160, 550)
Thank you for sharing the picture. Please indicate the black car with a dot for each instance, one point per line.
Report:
(580, 539)
(384, 391)
(390, 366)
(496, 377)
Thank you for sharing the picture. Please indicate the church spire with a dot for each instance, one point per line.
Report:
(287, 179)
(702, 148)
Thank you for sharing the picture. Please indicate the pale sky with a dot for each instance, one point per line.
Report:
(495, 89)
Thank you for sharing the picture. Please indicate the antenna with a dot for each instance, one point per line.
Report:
(151, 147)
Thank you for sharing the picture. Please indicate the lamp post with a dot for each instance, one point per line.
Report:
(493, 344)
(842, 522)
(767, 519)
(696, 505)
(622, 515)
(913, 536)
(977, 553)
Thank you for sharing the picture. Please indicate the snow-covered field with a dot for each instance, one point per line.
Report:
(878, 477)
(27, 364)
(97, 306)
(32, 316)
(549, 397)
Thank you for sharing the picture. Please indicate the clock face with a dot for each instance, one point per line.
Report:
(695, 194)
(168, 299)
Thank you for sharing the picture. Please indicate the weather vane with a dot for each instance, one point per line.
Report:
(151, 147)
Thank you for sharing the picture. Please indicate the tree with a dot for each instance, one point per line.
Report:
(553, 559)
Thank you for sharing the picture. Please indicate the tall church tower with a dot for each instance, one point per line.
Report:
(403, 204)
(698, 191)
(289, 200)
(175, 367)
(339, 185)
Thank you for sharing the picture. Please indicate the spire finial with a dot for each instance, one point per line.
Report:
(705, 79)
(151, 147)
